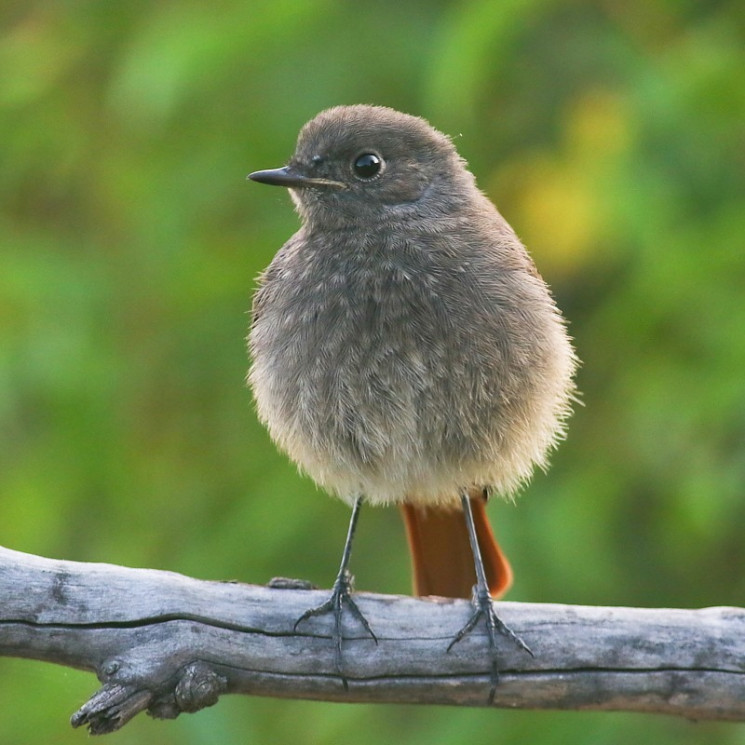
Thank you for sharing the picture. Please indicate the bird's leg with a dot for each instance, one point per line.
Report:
(484, 607)
(341, 593)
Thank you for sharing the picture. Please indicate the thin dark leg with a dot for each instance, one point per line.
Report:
(341, 593)
(484, 606)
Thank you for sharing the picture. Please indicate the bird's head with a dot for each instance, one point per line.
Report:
(358, 162)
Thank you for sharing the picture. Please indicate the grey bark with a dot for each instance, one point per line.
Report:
(166, 643)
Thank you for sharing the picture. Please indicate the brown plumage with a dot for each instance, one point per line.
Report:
(404, 348)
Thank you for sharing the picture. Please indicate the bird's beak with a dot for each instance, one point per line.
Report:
(293, 179)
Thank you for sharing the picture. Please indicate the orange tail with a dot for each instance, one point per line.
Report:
(441, 552)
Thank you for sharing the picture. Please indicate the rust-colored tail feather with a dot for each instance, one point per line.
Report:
(441, 552)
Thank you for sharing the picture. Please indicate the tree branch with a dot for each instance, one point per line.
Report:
(167, 643)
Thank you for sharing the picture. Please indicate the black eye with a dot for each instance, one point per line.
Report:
(367, 165)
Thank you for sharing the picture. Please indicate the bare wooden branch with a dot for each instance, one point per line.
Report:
(166, 643)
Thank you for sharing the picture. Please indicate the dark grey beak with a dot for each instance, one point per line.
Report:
(293, 179)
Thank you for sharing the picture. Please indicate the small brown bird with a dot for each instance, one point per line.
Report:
(405, 349)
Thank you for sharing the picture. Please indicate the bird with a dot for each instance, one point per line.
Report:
(406, 351)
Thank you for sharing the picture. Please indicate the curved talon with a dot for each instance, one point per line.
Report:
(467, 629)
(341, 593)
(495, 626)
(481, 600)
(357, 613)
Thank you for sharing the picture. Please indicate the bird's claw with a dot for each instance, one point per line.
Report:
(341, 594)
(495, 627)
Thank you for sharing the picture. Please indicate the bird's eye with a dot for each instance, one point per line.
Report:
(367, 166)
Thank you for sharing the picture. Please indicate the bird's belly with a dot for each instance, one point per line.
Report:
(396, 392)
(365, 415)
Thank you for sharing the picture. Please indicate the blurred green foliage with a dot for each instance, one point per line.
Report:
(611, 135)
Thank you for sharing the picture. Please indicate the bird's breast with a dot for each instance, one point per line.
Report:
(392, 373)
(347, 357)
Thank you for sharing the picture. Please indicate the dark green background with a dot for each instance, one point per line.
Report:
(610, 134)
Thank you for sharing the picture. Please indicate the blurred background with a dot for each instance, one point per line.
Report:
(611, 135)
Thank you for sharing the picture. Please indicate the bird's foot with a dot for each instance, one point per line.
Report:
(341, 594)
(495, 627)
